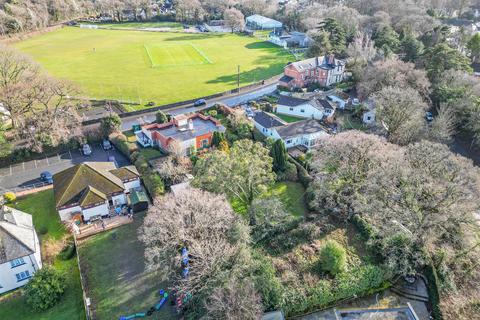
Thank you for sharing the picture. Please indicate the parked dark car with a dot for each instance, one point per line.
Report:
(106, 145)
(429, 116)
(46, 177)
(200, 102)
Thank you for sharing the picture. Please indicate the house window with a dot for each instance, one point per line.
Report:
(291, 109)
(204, 143)
(369, 118)
(22, 275)
(17, 262)
(302, 110)
(289, 141)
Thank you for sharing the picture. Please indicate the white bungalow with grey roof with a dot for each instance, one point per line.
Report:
(305, 133)
(302, 108)
(20, 255)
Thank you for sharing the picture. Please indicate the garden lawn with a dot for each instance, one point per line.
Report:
(150, 153)
(291, 194)
(116, 276)
(288, 118)
(162, 67)
(12, 305)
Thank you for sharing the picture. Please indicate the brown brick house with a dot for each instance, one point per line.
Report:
(324, 71)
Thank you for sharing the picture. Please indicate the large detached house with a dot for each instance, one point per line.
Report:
(93, 189)
(306, 133)
(323, 71)
(20, 254)
(191, 132)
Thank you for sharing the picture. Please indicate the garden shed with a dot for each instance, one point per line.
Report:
(138, 200)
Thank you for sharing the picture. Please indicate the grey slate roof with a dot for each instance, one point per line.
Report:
(200, 126)
(267, 120)
(17, 235)
(300, 128)
(320, 62)
(285, 79)
(325, 104)
(291, 101)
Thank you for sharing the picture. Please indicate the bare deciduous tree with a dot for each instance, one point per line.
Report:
(237, 299)
(202, 222)
(400, 113)
(393, 72)
(234, 19)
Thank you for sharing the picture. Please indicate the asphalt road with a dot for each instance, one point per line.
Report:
(230, 101)
(26, 174)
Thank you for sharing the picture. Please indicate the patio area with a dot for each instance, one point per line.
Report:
(86, 230)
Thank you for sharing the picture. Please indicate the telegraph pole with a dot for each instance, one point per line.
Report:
(238, 79)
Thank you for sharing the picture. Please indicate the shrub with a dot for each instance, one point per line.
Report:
(213, 113)
(43, 230)
(67, 252)
(120, 142)
(161, 117)
(267, 282)
(332, 258)
(44, 289)
(10, 197)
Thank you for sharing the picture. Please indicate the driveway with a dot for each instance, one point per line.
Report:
(26, 174)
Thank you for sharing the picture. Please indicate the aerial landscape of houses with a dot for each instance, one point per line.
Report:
(239, 160)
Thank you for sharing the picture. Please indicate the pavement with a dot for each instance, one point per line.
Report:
(26, 175)
(231, 101)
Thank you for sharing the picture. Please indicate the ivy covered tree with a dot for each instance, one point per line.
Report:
(161, 117)
(243, 173)
(473, 47)
(441, 58)
(386, 39)
(110, 124)
(411, 48)
(217, 138)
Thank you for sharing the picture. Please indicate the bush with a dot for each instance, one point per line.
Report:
(120, 142)
(10, 197)
(44, 289)
(154, 184)
(67, 252)
(43, 230)
(266, 281)
(333, 258)
(213, 113)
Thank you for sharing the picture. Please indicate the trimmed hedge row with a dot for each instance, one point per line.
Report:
(152, 181)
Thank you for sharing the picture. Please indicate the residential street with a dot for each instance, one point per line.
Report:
(229, 101)
(27, 174)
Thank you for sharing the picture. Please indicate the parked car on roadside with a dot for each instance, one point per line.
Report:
(429, 116)
(86, 150)
(46, 177)
(200, 102)
(106, 145)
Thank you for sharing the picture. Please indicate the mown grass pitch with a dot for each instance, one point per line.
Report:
(140, 66)
(175, 55)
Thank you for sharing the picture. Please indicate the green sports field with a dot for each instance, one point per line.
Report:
(139, 66)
